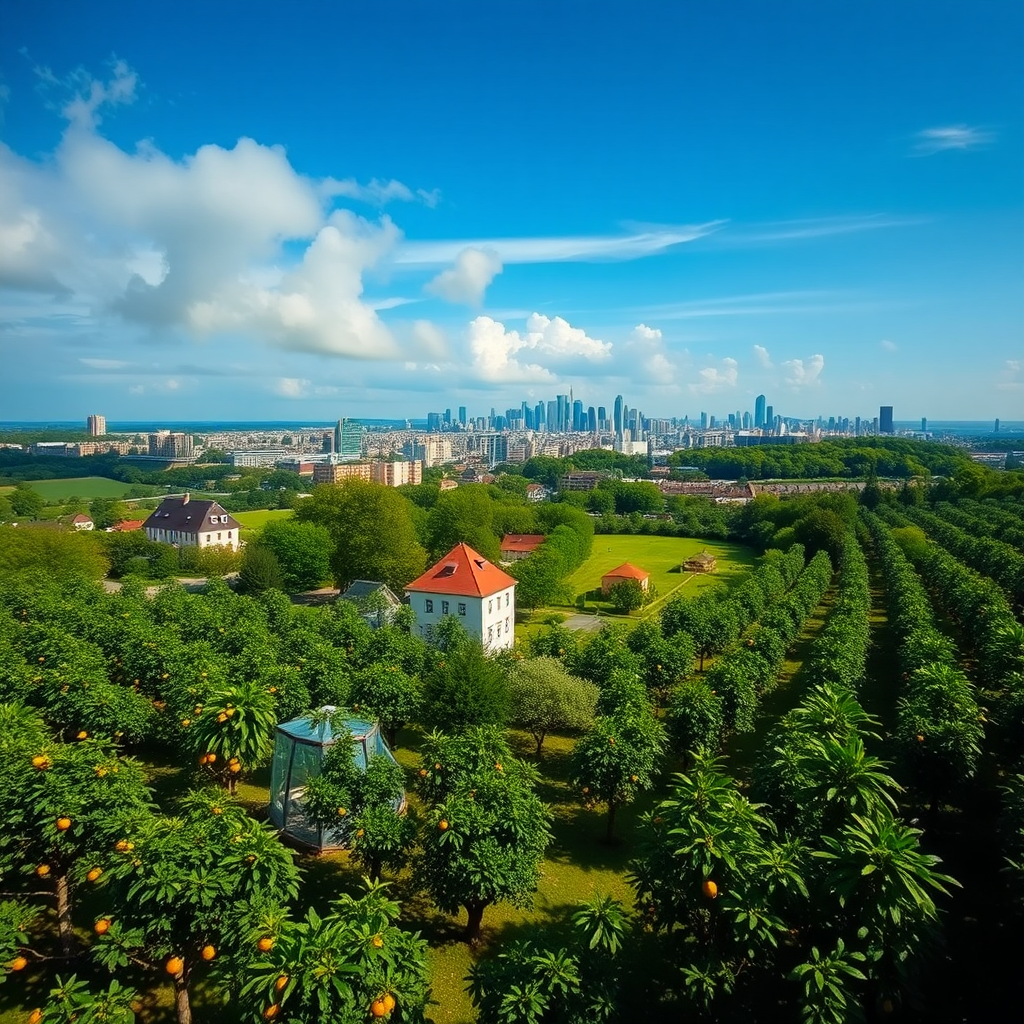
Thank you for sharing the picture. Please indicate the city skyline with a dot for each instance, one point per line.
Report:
(843, 236)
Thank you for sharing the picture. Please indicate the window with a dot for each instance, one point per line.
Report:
(428, 605)
(490, 633)
(507, 599)
(462, 608)
(223, 519)
(219, 537)
(499, 630)
(444, 607)
(490, 606)
(506, 623)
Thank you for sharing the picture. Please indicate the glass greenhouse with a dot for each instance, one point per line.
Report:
(299, 749)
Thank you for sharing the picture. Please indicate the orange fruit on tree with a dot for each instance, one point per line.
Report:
(211, 758)
(389, 1001)
(379, 1008)
(82, 735)
(209, 952)
(94, 874)
(40, 761)
(423, 772)
(442, 825)
(710, 889)
(63, 824)
(174, 965)
(102, 926)
(35, 1016)
(360, 833)
(234, 768)
(634, 778)
(203, 759)
(280, 983)
(342, 812)
(271, 1011)
(222, 718)
(19, 963)
(186, 722)
(920, 738)
(217, 810)
(43, 870)
(265, 944)
(377, 941)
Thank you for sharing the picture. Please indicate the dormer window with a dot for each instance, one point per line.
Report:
(214, 519)
(223, 519)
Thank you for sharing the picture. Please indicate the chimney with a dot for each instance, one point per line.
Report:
(185, 499)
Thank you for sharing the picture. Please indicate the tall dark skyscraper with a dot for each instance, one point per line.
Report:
(759, 408)
(769, 417)
(592, 420)
(618, 414)
(578, 417)
(560, 419)
(538, 415)
(602, 416)
(462, 415)
(348, 438)
(885, 419)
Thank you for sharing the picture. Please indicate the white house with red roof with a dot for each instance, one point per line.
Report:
(465, 584)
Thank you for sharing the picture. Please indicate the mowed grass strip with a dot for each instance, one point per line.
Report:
(660, 556)
(253, 522)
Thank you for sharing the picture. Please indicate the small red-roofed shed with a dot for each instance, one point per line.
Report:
(624, 572)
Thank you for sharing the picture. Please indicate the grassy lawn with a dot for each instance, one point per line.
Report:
(257, 520)
(83, 487)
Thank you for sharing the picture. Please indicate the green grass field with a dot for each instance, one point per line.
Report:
(659, 556)
(81, 487)
(257, 520)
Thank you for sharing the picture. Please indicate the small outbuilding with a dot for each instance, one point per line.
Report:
(376, 601)
(621, 573)
(516, 546)
(700, 563)
(299, 749)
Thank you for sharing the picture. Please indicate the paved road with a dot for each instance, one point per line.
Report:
(588, 623)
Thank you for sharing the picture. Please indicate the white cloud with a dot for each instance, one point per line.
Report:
(202, 243)
(377, 192)
(713, 379)
(763, 357)
(103, 364)
(467, 280)
(955, 136)
(495, 352)
(90, 94)
(291, 387)
(889, 346)
(557, 250)
(645, 357)
(171, 384)
(1011, 377)
(431, 340)
(802, 375)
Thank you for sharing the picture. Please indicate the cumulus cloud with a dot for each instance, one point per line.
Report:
(715, 378)
(467, 280)
(89, 94)
(497, 353)
(762, 356)
(647, 358)
(889, 346)
(800, 374)
(291, 387)
(955, 136)
(204, 243)
(1011, 377)
(430, 339)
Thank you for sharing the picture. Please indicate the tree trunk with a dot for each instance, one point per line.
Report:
(68, 942)
(702, 659)
(375, 866)
(612, 808)
(474, 917)
(539, 737)
(181, 1001)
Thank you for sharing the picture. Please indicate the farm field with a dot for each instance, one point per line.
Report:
(82, 487)
(659, 556)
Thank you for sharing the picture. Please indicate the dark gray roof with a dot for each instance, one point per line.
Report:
(190, 516)
(360, 589)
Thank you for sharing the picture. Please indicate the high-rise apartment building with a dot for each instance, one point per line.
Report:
(769, 417)
(462, 415)
(97, 425)
(334, 473)
(578, 416)
(885, 419)
(552, 416)
(759, 411)
(618, 414)
(395, 474)
(592, 420)
(348, 439)
(924, 424)
(165, 444)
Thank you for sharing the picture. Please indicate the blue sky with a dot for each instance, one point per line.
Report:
(305, 210)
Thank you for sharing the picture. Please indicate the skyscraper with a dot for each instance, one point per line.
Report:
(885, 419)
(618, 414)
(561, 418)
(759, 411)
(97, 425)
(538, 416)
(924, 424)
(602, 418)
(348, 438)
(462, 415)
(552, 419)
(769, 417)
(578, 422)
(592, 420)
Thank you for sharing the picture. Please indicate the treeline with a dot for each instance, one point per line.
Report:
(842, 457)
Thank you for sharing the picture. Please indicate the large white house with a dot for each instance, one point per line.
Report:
(479, 594)
(188, 523)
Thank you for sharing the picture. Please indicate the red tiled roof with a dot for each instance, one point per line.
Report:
(521, 541)
(81, 519)
(626, 572)
(464, 572)
(127, 525)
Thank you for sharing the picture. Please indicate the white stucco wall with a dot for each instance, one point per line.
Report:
(490, 619)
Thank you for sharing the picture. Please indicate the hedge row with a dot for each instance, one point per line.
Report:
(987, 519)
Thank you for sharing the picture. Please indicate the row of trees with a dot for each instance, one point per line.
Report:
(939, 728)
(987, 519)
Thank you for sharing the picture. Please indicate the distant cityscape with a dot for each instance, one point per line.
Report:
(396, 452)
